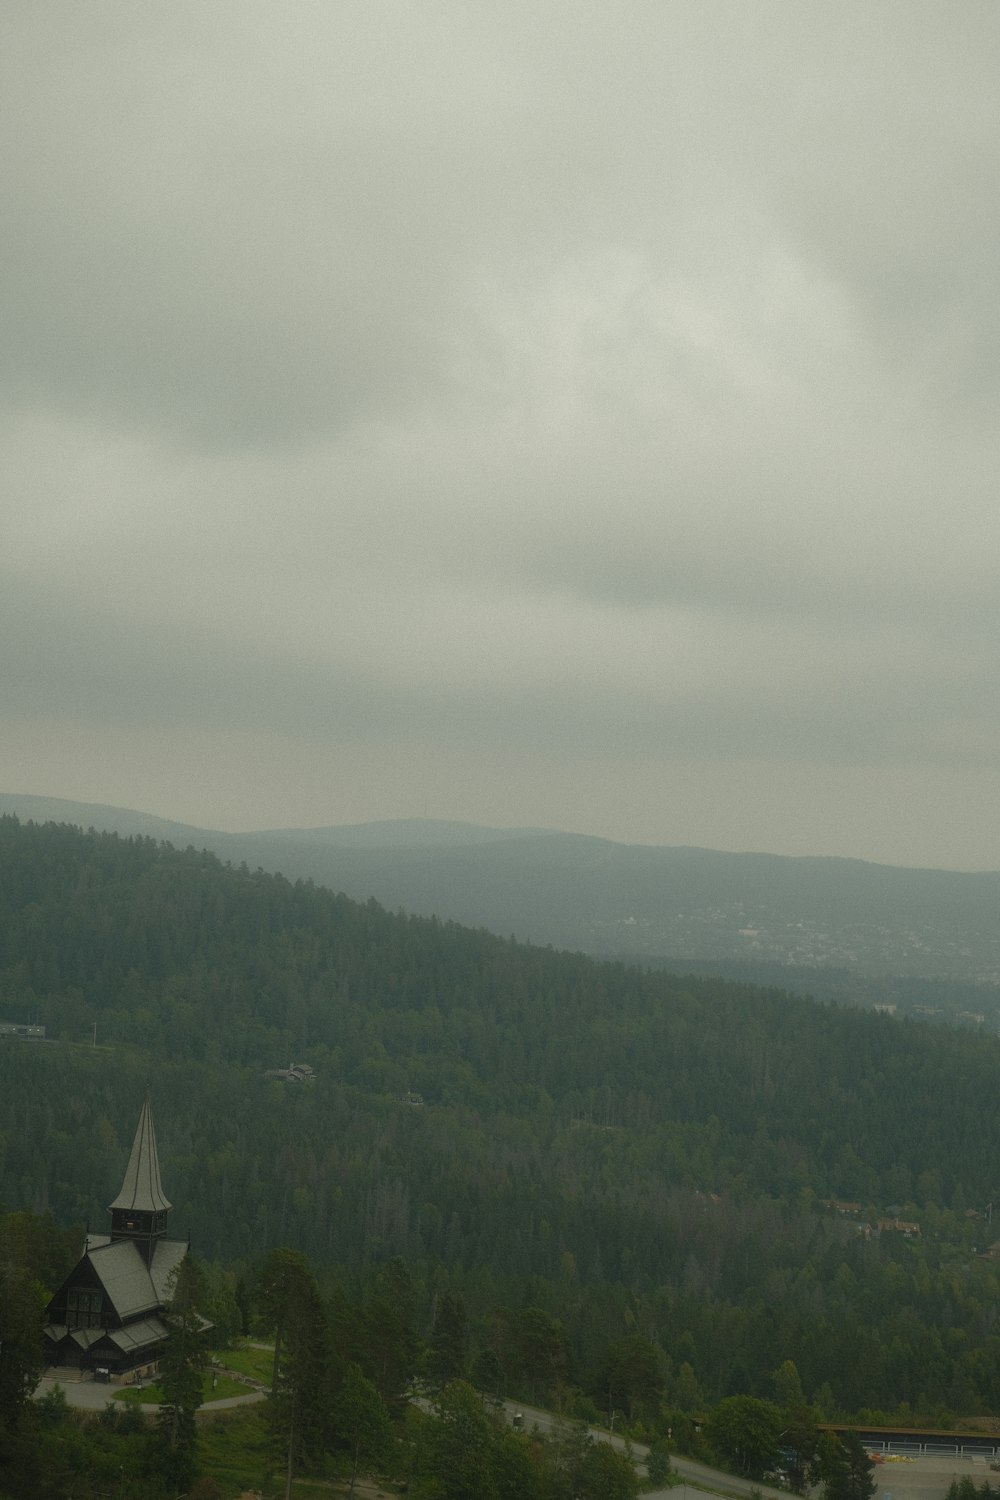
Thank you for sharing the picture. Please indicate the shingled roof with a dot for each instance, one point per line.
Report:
(132, 1286)
(137, 1336)
(142, 1189)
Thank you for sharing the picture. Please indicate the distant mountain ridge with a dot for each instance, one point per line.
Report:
(403, 833)
(634, 901)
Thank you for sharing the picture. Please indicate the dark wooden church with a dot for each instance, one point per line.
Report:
(108, 1315)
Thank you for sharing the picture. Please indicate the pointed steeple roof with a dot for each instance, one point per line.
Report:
(141, 1189)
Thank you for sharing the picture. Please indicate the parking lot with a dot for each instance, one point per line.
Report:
(928, 1478)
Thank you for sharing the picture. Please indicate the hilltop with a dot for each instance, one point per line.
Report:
(749, 913)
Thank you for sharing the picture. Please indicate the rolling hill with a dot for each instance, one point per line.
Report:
(688, 905)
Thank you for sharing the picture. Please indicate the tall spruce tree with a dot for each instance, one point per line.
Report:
(299, 1404)
(362, 1422)
(22, 1305)
(180, 1376)
(846, 1470)
(449, 1340)
(390, 1334)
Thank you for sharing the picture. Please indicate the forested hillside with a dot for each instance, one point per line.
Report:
(629, 1152)
(703, 906)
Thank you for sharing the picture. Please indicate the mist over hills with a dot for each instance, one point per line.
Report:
(740, 912)
(405, 833)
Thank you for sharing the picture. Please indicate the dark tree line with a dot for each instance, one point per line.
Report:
(350, 1354)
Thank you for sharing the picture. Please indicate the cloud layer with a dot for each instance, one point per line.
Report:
(534, 414)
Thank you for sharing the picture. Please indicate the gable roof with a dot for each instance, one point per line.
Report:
(166, 1258)
(132, 1287)
(142, 1189)
(125, 1278)
(84, 1337)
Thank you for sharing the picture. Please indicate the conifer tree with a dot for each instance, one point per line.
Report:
(362, 1422)
(449, 1340)
(390, 1334)
(180, 1376)
(22, 1304)
(299, 1405)
(846, 1471)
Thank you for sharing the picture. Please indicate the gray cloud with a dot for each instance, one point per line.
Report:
(517, 390)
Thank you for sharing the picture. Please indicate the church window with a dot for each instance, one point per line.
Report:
(83, 1308)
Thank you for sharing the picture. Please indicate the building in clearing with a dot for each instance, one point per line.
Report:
(108, 1315)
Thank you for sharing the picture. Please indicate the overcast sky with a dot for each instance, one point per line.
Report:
(549, 413)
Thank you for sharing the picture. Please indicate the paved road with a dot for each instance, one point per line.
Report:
(91, 1395)
(923, 1479)
(80, 1393)
(928, 1478)
(686, 1468)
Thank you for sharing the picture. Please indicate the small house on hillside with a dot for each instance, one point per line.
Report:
(108, 1315)
(294, 1073)
(906, 1227)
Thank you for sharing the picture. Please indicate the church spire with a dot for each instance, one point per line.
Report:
(142, 1189)
(140, 1211)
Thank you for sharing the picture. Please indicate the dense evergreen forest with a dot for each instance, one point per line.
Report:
(869, 934)
(622, 1154)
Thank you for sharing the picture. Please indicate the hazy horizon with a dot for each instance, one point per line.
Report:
(416, 820)
(521, 416)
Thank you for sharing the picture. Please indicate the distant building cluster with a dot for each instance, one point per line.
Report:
(17, 1028)
(898, 1226)
(294, 1073)
(893, 1225)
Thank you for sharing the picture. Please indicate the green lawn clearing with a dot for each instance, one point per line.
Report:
(234, 1447)
(248, 1360)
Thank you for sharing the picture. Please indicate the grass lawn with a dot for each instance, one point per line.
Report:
(152, 1394)
(234, 1448)
(257, 1363)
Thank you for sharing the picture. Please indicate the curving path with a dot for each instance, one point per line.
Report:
(90, 1395)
